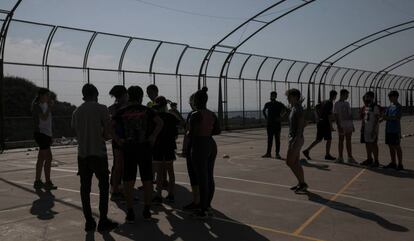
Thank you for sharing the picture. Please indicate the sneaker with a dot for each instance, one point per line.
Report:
(117, 196)
(191, 207)
(400, 167)
(170, 198)
(90, 225)
(49, 186)
(146, 213)
(339, 160)
(330, 158)
(302, 188)
(130, 217)
(209, 212)
(201, 214)
(278, 157)
(306, 154)
(106, 225)
(157, 200)
(391, 165)
(267, 155)
(38, 184)
(351, 160)
(295, 187)
(367, 162)
(375, 164)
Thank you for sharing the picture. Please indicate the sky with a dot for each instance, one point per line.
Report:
(310, 34)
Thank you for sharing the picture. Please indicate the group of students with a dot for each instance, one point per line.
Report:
(142, 136)
(340, 112)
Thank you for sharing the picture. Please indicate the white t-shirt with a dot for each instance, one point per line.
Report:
(45, 126)
(343, 111)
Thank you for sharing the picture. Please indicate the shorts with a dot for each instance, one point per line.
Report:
(296, 146)
(323, 131)
(369, 136)
(43, 141)
(393, 139)
(137, 155)
(164, 154)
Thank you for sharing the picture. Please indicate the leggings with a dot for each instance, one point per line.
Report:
(203, 156)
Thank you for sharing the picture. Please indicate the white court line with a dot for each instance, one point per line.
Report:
(270, 184)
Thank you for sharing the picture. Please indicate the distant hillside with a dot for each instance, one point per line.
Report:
(18, 96)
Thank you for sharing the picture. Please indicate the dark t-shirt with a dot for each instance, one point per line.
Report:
(325, 111)
(169, 132)
(135, 122)
(274, 111)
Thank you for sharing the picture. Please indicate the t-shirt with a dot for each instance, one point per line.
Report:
(295, 117)
(325, 111)
(370, 117)
(274, 110)
(393, 126)
(344, 114)
(169, 131)
(204, 123)
(136, 123)
(42, 126)
(90, 121)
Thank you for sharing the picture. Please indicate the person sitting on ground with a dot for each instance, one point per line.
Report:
(393, 131)
(140, 127)
(42, 116)
(203, 126)
(296, 139)
(164, 150)
(121, 99)
(273, 112)
(91, 123)
(324, 126)
(343, 117)
(370, 115)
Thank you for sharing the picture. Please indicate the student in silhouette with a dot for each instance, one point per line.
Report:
(42, 116)
(91, 123)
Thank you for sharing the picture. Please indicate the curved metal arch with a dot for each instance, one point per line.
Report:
(243, 66)
(272, 78)
(124, 50)
(344, 75)
(244, 39)
(359, 78)
(290, 68)
(88, 49)
(393, 78)
(260, 67)
(177, 68)
(301, 71)
(48, 44)
(352, 76)
(334, 75)
(354, 46)
(3, 36)
(394, 66)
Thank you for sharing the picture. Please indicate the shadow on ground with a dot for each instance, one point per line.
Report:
(368, 215)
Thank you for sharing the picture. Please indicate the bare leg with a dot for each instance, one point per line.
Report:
(375, 151)
(171, 177)
(147, 192)
(118, 170)
(349, 145)
(341, 146)
(369, 151)
(328, 147)
(128, 192)
(399, 154)
(312, 145)
(292, 161)
(159, 170)
(48, 164)
(392, 153)
(196, 194)
(39, 164)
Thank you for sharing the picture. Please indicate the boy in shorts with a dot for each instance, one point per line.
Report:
(370, 115)
(393, 131)
(140, 127)
(343, 117)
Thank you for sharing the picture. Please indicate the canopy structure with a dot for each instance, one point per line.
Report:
(239, 82)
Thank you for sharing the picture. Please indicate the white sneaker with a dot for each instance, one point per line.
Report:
(351, 160)
(339, 160)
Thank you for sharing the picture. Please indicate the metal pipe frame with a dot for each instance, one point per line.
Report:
(3, 36)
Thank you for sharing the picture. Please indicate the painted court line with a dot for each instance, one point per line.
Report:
(257, 227)
(299, 230)
(265, 183)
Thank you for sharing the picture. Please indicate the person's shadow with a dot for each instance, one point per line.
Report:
(343, 207)
(322, 167)
(184, 227)
(42, 207)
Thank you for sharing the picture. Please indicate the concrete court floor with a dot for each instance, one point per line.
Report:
(252, 199)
